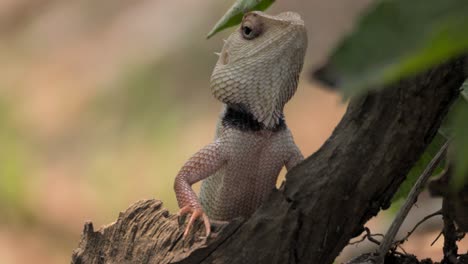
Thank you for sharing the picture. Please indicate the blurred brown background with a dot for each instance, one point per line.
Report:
(101, 102)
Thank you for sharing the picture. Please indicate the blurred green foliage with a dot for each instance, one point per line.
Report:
(139, 99)
(459, 123)
(149, 99)
(398, 38)
(13, 168)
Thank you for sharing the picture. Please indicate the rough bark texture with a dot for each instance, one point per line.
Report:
(326, 199)
(145, 233)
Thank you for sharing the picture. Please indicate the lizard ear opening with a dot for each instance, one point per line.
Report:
(224, 57)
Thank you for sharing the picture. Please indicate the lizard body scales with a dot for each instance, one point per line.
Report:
(256, 74)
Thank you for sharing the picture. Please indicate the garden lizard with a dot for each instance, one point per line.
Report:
(256, 74)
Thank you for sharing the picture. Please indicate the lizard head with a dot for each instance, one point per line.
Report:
(259, 65)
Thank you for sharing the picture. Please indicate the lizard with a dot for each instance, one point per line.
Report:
(256, 74)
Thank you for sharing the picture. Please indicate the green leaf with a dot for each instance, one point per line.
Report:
(234, 15)
(419, 167)
(396, 39)
(460, 140)
(446, 129)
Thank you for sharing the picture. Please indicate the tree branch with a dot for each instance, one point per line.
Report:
(326, 199)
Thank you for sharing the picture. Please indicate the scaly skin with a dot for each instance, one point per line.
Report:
(256, 74)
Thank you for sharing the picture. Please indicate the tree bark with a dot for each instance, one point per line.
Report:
(326, 199)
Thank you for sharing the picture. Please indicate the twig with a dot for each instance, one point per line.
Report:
(358, 241)
(404, 251)
(437, 238)
(369, 236)
(373, 240)
(401, 241)
(413, 195)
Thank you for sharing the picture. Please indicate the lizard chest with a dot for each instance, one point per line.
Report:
(248, 176)
(252, 153)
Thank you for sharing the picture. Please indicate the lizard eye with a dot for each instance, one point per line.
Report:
(246, 31)
(251, 27)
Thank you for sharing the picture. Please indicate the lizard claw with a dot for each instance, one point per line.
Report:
(195, 213)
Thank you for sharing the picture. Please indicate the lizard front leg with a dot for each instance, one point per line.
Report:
(201, 165)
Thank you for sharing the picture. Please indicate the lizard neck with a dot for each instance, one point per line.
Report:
(237, 117)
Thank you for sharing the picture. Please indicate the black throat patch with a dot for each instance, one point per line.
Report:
(238, 118)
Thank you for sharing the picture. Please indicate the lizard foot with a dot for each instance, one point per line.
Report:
(195, 214)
